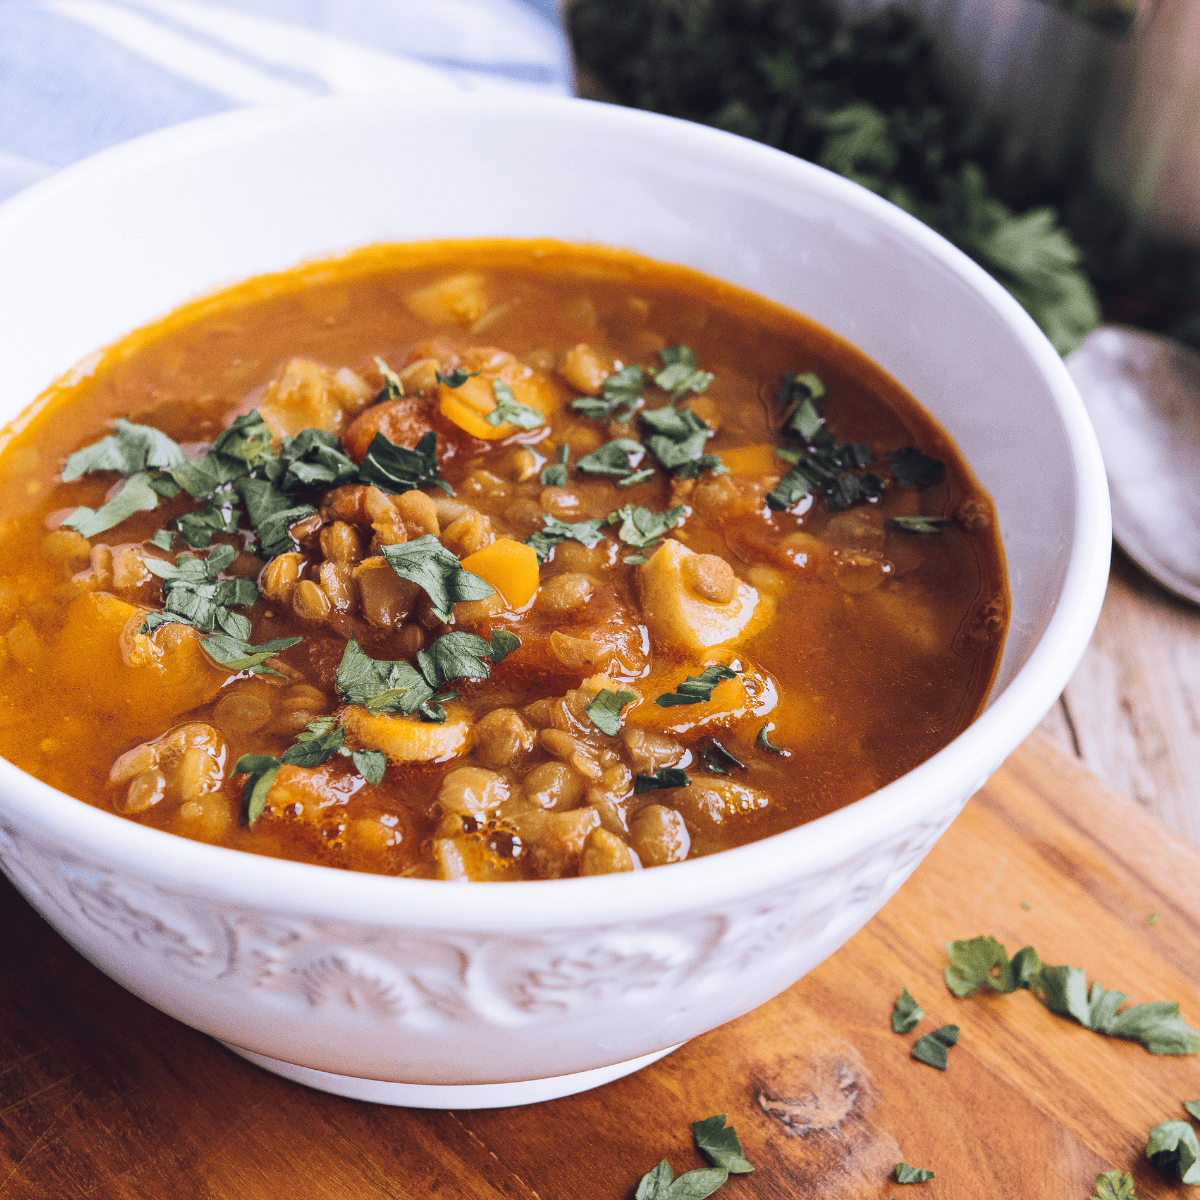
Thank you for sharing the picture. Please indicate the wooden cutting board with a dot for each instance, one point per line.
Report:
(102, 1096)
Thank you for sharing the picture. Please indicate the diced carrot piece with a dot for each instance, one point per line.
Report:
(753, 461)
(469, 404)
(406, 739)
(510, 567)
(144, 681)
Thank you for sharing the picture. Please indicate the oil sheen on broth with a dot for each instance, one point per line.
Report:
(681, 569)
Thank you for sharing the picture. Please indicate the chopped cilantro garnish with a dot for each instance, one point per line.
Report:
(931, 1048)
(911, 468)
(314, 747)
(907, 1014)
(907, 1174)
(164, 539)
(503, 644)
(555, 474)
(664, 777)
(618, 458)
(677, 437)
(381, 686)
(1114, 1185)
(719, 1144)
(132, 449)
(715, 758)
(510, 411)
(455, 378)
(393, 389)
(764, 741)
(621, 390)
(272, 513)
(427, 563)
(635, 560)
(984, 962)
(234, 654)
(643, 527)
(220, 515)
(696, 689)
(918, 524)
(680, 373)
(796, 397)
(193, 595)
(556, 532)
(637, 477)
(1174, 1149)
(137, 495)
(605, 710)
(397, 469)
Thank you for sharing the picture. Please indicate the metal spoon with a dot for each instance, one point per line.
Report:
(1142, 393)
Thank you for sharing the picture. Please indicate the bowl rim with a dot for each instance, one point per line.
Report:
(957, 770)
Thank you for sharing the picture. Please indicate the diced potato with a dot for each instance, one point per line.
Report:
(309, 394)
(407, 739)
(313, 793)
(145, 681)
(680, 619)
(458, 299)
(510, 567)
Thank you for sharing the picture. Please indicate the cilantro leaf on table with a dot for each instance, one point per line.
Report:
(984, 962)
(393, 389)
(696, 689)
(642, 526)
(906, 1174)
(1114, 1185)
(136, 495)
(918, 524)
(621, 390)
(1193, 1107)
(605, 709)
(1174, 1149)
(911, 468)
(234, 654)
(193, 595)
(437, 571)
(555, 474)
(557, 532)
(907, 1013)
(396, 469)
(618, 458)
(930, 1048)
(677, 438)
(719, 1143)
(510, 411)
(661, 1184)
(131, 450)
(681, 373)
(664, 777)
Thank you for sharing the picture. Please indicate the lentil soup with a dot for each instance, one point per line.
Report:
(487, 560)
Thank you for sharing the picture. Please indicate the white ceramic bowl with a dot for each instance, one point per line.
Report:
(427, 993)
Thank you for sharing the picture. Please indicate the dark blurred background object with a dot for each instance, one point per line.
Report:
(1058, 146)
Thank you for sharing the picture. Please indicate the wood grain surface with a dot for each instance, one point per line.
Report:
(1131, 713)
(102, 1096)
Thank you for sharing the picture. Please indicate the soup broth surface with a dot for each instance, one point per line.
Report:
(696, 570)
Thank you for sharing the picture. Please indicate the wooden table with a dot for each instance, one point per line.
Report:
(1131, 713)
(103, 1097)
